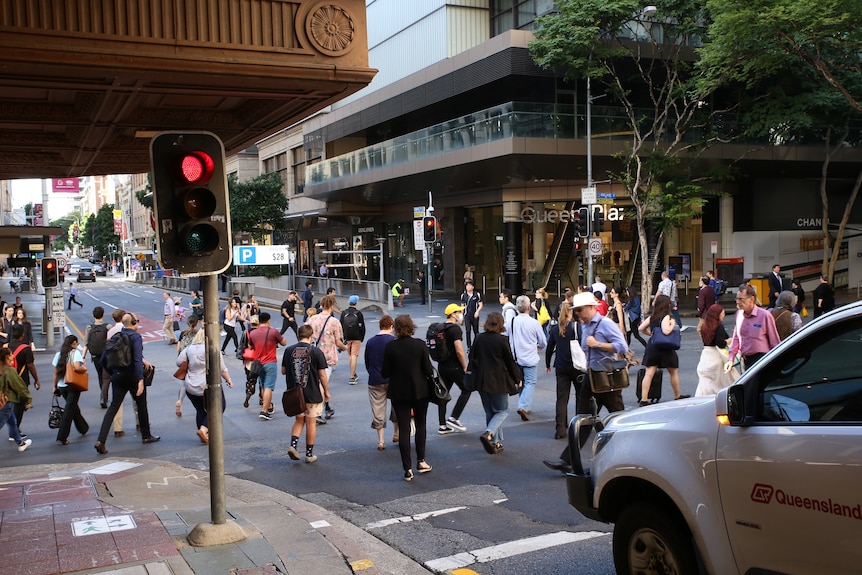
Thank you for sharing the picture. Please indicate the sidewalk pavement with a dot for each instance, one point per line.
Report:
(132, 517)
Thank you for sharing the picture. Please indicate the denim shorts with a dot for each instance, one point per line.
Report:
(268, 375)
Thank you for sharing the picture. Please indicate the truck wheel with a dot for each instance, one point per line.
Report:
(649, 540)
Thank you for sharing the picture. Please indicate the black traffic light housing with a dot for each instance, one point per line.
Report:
(191, 202)
(582, 223)
(50, 274)
(429, 229)
(598, 220)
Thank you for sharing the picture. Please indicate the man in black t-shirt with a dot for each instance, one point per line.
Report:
(288, 314)
(452, 369)
(304, 364)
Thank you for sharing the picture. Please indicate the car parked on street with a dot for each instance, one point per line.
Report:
(86, 274)
(761, 478)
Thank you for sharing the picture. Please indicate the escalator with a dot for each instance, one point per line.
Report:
(560, 259)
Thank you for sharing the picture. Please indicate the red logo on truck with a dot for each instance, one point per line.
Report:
(762, 493)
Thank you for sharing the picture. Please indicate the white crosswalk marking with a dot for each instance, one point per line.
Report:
(510, 548)
(409, 518)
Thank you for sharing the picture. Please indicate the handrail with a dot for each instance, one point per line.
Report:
(554, 252)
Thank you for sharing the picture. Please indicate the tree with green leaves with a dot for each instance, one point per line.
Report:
(801, 60)
(103, 230)
(643, 63)
(258, 205)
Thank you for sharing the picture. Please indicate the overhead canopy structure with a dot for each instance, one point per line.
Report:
(85, 83)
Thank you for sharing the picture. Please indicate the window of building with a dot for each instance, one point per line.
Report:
(299, 157)
(277, 164)
(517, 14)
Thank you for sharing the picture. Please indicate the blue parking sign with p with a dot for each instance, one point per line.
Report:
(246, 256)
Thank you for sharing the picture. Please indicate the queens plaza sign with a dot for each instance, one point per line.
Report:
(531, 215)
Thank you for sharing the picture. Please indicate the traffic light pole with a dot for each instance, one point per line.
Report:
(220, 531)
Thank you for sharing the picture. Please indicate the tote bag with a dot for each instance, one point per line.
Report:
(79, 381)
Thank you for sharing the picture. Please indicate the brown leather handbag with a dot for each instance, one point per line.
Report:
(77, 380)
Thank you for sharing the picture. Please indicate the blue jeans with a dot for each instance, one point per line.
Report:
(8, 417)
(525, 400)
(268, 375)
(496, 411)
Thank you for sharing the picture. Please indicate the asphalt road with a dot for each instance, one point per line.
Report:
(502, 514)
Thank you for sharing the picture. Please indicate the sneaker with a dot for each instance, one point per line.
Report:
(320, 421)
(455, 424)
(310, 458)
(24, 444)
(683, 328)
(330, 413)
(23, 436)
(445, 430)
(265, 416)
(408, 475)
(353, 380)
(271, 409)
(293, 453)
(222, 333)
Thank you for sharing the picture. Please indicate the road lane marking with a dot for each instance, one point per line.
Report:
(409, 518)
(510, 549)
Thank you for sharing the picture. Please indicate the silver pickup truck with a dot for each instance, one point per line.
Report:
(764, 477)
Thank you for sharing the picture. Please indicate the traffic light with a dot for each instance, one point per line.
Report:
(50, 277)
(429, 227)
(598, 221)
(582, 223)
(191, 203)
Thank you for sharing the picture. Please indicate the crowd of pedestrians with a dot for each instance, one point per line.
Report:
(498, 358)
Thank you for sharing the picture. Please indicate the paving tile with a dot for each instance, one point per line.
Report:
(29, 511)
(86, 561)
(77, 505)
(86, 544)
(145, 553)
(22, 550)
(60, 496)
(26, 528)
(41, 565)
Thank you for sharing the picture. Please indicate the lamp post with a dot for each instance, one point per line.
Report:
(645, 12)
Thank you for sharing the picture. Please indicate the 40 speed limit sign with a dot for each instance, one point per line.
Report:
(595, 246)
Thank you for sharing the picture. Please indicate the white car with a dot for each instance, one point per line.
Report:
(764, 477)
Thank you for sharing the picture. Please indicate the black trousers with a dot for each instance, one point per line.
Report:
(121, 384)
(567, 378)
(72, 414)
(420, 415)
(471, 323)
(450, 378)
(289, 325)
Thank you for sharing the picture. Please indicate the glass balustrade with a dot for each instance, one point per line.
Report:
(522, 120)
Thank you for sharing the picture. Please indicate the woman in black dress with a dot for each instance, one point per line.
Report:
(655, 358)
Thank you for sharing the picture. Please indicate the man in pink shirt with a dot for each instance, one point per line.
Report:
(755, 332)
(328, 336)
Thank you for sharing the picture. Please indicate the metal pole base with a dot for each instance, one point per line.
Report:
(208, 534)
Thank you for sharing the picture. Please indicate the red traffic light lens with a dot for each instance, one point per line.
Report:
(197, 167)
(49, 265)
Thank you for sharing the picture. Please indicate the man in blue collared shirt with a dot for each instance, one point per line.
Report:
(600, 338)
(526, 339)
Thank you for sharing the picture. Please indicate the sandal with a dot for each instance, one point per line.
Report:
(381, 446)
(179, 408)
(423, 467)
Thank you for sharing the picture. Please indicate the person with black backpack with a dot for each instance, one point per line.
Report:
(124, 357)
(451, 364)
(353, 325)
(94, 343)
